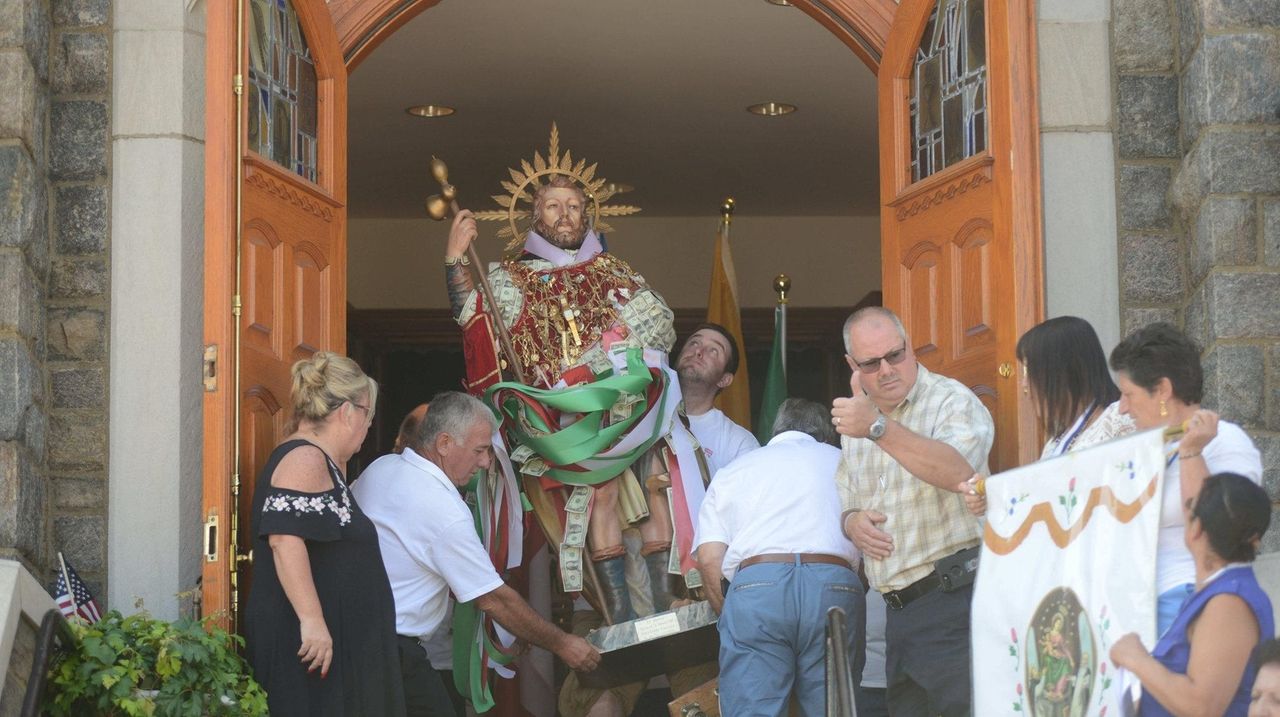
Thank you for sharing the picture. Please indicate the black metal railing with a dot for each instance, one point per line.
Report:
(839, 669)
(54, 636)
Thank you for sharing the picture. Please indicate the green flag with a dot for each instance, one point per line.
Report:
(775, 382)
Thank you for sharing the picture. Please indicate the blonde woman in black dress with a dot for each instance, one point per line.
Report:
(320, 622)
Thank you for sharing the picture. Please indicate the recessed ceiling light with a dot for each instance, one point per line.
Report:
(771, 109)
(430, 110)
(619, 187)
(783, 3)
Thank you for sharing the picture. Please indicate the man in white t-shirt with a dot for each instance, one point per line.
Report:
(706, 366)
(430, 547)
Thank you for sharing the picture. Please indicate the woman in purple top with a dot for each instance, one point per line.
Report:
(1203, 663)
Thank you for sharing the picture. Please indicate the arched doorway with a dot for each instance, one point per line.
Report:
(863, 25)
(961, 247)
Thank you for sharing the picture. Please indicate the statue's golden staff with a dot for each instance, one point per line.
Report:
(445, 204)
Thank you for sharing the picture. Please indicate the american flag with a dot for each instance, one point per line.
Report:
(82, 604)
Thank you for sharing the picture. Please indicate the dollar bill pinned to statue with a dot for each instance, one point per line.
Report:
(1067, 566)
(631, 408)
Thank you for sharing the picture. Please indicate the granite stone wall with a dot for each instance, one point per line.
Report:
(25, 168)
(55, 89)
(1198, 148)
(79, 282)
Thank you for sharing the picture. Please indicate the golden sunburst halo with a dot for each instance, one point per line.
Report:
(526, 179)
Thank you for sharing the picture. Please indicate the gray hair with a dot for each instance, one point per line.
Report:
(805, 416)
(454, 413)
(868, 312)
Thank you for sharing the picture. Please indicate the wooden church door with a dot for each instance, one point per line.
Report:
(960, 239)
(275, 250)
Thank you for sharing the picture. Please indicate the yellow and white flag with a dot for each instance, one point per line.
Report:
(722, 308)
(1067, 567)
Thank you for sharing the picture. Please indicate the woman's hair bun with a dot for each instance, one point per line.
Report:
(324, 382)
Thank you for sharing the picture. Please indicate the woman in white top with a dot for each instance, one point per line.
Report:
(1161, 384)
(1065, 372)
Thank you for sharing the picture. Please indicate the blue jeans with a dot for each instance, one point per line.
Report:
(1169, 604)
(773, 636)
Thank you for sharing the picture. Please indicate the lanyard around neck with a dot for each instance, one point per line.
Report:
(1074, 432)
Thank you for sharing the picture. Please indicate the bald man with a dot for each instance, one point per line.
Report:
(408, 427)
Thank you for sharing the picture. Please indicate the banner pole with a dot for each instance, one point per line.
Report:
(782, 285)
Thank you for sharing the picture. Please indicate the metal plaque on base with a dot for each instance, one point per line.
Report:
(665, 642)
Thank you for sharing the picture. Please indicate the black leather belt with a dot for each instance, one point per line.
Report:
(898, 599)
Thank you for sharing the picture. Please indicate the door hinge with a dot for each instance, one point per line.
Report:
(211, 368)
(237, 84)
(211, 538)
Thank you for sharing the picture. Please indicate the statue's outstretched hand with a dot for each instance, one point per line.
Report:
(461, 234)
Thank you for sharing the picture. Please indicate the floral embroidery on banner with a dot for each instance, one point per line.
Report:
(300, 505)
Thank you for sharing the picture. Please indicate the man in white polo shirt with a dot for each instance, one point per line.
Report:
(771, 524)
(430, 547)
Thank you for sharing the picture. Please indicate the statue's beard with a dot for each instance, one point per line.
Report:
(564, 235)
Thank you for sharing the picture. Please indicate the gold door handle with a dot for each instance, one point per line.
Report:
(1005, 370)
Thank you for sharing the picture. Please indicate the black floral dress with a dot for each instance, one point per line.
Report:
(355, 595)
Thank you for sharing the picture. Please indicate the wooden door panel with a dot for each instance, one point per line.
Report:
(312, 284)
(921, 278)
(263, 297)
(262, 418)
(972, 254)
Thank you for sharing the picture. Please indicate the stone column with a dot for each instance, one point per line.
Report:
(1078, 160)
(1226, 194)
(24, 271)
(157, 266)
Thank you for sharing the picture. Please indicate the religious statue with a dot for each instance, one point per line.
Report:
(590, 420)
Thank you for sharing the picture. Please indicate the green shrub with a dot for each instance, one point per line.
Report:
(141, 666)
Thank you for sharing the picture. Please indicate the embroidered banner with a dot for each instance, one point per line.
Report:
(1067, 567)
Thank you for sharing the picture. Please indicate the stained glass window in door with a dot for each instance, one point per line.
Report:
(281, 89)
(948, 99)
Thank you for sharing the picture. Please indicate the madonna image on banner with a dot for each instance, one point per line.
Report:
(1067, 566)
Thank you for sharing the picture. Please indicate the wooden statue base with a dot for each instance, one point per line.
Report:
(702, 701)
(639, 649)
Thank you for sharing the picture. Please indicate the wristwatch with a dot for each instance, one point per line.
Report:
(877, 427)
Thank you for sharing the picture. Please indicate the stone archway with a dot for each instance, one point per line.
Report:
(862, 25)
(1011, 303)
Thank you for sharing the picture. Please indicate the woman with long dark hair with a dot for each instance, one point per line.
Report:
(1065, 371)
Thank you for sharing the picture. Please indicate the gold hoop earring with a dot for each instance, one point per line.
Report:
(1164, 410)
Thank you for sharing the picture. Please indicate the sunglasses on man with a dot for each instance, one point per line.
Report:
(893, 358)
